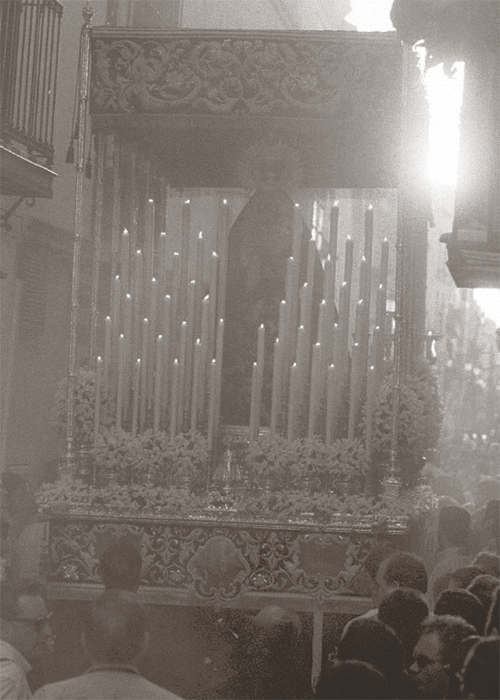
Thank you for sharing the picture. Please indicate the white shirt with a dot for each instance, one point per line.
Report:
(13, 670)
(105, 683)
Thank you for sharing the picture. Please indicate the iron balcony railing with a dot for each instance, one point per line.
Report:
(29, 47)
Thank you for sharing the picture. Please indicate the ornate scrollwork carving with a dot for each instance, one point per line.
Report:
(215, 563)
(302, 77)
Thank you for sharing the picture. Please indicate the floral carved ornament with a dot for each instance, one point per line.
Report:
(254, 77)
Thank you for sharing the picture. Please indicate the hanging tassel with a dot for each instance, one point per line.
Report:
(88, 168)
(70, 153)
(88, 164)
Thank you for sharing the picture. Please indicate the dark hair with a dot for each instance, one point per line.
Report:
(371, 641)
(270, 632)
(441, 584)
(375, 558)
(481, 673)
(405, 569)
(10, 592)
(483, 587)
(492, 620)
(492, 508)
(355, 679)
(452, 631)
(455, 524)
(463, 604)
(404, 610)
(267, 658)
(115, 627)
(489, 562)
(465, 575)
(121, 564)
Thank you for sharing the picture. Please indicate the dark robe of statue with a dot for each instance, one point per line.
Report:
(260, 243)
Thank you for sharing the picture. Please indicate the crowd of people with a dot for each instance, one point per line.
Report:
(431, 633)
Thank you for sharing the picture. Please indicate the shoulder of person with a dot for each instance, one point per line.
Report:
(13, 683)
(156, 692)
(50, 690)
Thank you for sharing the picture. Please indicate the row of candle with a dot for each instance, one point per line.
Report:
(309, 373)
(161, 333)
(163, 370)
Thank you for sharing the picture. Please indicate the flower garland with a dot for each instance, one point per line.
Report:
(72, 496)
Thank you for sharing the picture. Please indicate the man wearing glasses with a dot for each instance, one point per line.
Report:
(26, 637)
(438, 656)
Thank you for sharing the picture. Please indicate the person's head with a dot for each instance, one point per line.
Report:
(436, 654)
(441, 584)
(356, 679)
(462, 577)
(404, 610)
(375, 557)
(272, 634)
(462, 604)
(120, 565)
(492, 508)
(492, 620)
(274, 616)
(485, 491)
(115, 628)
(480, 675)
(25, 620)
(454, 526)
(489, 562)
(372, 564)
(371, 641)
(483, 587)
(490, 523)
(401, 569)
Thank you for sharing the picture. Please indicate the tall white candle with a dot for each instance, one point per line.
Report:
(107, 353)
(182, 375)
(149, 225)
(97, 403)
(223, 240)
(218, 356)
(195, 398)
(330, 405)
(135, 402)
(212, 405)
(254, 408)
(292, 402)
(120, 386)
(162, 259)
(277, 385)
(158, 384)
(125, 259)
(314, 391)
(174, 404)
(214, 273)
(144, 376)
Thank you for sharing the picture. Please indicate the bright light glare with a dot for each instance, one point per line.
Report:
(369, 16)
(444, 95)
(489, 301)
(445, 98)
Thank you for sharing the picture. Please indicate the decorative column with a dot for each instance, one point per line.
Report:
(413, 213)
(83, 83)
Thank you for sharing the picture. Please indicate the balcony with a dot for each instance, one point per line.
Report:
(29, 40)
(201, 102)
(474, 243)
